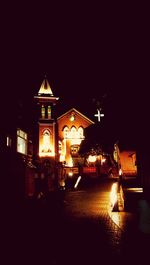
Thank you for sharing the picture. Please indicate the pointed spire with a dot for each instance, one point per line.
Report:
(45, 88)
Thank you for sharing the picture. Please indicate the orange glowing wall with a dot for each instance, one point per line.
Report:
(79, 121)
(65, 121)
(128, 162)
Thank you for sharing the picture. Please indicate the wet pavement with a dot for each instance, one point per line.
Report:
(74, 227)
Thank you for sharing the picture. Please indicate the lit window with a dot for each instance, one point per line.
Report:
(59, 147)
(49, 112)
(21, 142)
(73, 133)
(8, 141)
(80, 131)
(75, 136)
(46, 147)
(46, 141)
(43, 112)
(66, 130)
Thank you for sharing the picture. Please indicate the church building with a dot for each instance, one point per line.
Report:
(71, 127)
(59, 138)
(46, 101)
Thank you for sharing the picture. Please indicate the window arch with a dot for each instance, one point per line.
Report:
(42, 112)
(65, 131)
(73, 132)
(46, 140)
(80, 131)
(49, 112)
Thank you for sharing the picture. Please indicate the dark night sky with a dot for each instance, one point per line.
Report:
(86, 51)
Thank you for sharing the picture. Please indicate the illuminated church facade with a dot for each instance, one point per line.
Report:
(47, 146)
(71, 127)
(58, 137)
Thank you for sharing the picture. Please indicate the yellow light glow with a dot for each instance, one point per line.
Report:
(103, 160)
(73, 133)
(113, 194)
(115, 216)
(46, 148)
(70, 174)
(62, 158)
(49, 112)
(135, 189)
(43, 111)
(70, 162)
(46, 141)
(75, 141)
(48, 154)
(91, 158)
(120, 172)
(72, 118)
(45, 88)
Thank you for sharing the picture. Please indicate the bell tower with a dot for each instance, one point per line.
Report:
(47, 125)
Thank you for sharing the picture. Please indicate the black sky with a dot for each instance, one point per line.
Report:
(86, 50)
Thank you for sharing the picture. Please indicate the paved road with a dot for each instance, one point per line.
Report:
(79, 228)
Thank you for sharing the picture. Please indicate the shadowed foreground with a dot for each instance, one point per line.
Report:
(72, 227)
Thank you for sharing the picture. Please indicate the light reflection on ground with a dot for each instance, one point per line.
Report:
(122, 219)
(116, 218)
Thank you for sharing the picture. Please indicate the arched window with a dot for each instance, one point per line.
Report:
(49, 112)
(66, 130)
(80, 131)
(73, 132)
(42, 111)
(46, 141)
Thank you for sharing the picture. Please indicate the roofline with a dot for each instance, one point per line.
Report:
(43, 97)
(73, 109)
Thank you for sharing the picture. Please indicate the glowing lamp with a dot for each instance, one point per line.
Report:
(62, 158)
(92, 159)
(103, 160)
(120, 172)
(70, 174)
(72, 117)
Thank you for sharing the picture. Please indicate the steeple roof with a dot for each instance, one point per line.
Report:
(45, 88)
